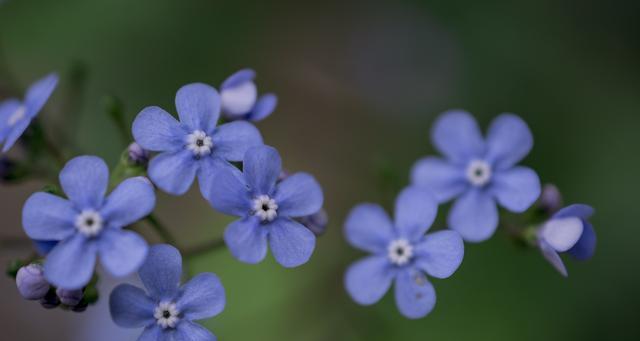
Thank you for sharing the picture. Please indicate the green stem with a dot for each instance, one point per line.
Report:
(161, 230)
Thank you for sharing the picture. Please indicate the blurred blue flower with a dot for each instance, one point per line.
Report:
(166, 310)
(479, 172)
(401, 252)
(193, 146)
(266, 209)
(16, 115)
(88, 224)
(240, 98)
(568, 231)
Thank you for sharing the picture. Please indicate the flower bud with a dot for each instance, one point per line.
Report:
(6, 168)
(316, 222)
(550, 200)
(138, 155)
(50, 300)
(31, 282)
(82, 306)
(70, 298)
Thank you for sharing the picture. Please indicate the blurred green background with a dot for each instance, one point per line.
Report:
(359, 85)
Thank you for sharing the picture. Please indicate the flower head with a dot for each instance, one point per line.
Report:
(479, 173)
(400, 252)
(89, 224)
(267, 209)
(193, 146)
(240, 98)
(167, 310)
(16, 115)
(568, 231)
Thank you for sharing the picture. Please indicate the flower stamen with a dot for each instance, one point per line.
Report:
(265, 208)
(400, 251)
(199, 143)
(167, 315)
(479, 173)
(89, 223)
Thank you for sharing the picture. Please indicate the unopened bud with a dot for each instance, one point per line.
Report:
(70, 298)
(50, 300)
(316, 222)
(31, 282)
(550, 200)
(138, 155)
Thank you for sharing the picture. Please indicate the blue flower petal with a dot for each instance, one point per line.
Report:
(70, 264)
(14, 133)
(562, 234)
(189, 331)
(85, 179)
(369, 228)
(155, 333)
(586, 245)
(161, 271)
(38, 94)
(174, 172)
(577, 210)
(208, 172)
(416, 209)
(474, 215)
(552, 257)
(7, 109)
(456, 135)
(232, 140)
(198, 106)
(265, 105)
(415, 296)
(291, 243)
(131, 201)
(369, 279)
(156, 130)
(202, 297)
(440, 253)
(299, 195)
(121, 252)
(509, 140)
(238, 78)
(445, 180)
(262, 166)
(48, 217)
(130, 307)
(516, 189)
(229, 193)
(44, 246)
(247, 240)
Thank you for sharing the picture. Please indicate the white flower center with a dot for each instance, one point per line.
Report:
(479, 173)
(89, 223)
(265, 208)
(167, 315)
(199, 143)
(17, 115)
(400, 251)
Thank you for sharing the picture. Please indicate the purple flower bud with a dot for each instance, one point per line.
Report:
(82, 306)
(550, 200)
(50, 300)
(316, 222)
(31, 282)
(138, 155)
(70, 298)
(283, 175)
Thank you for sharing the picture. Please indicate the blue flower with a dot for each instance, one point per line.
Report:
(266, 209)
(16, 115)
(240, 98)
(567, 231)
(167, 310)
(193, 146)
(401, 252)
(88, 224)
(479, 172)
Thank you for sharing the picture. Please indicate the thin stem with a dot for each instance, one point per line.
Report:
(162, 230)
(203, 248)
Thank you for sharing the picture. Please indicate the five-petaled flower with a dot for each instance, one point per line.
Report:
(167, 310)
(16, 115)
(240, 98)
(479, 172)
(402, 252)
(567, 231)
(88, 224)
(266, 209)
(193, 146)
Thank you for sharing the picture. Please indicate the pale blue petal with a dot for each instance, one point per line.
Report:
(208, 172)
(48, 217)
(7, 109)
(367, 280)
(131, 201)
(122, 252)
(242, 76)
(262, 166)
(516, 189)
(174, 172)
(440, 253)
(156, 130)
(562, 234)
(474, 215)
(161, 271)
(202, 297)
(84, 180)
(198, 106)
(586, 245)
(38, 94)
(130, 307)
(416, 209)
(444, 179)
(577, 210)
(232, 140)
(456, 135)
(265, 105)
(509, 140)
(291, 243)
(70, 264)
(415, 296)
(299, 195)
(247, 240)
(155, 333)
(189, 331)
(369, 228)
(229, 193)
(552, 257)
(14, 133)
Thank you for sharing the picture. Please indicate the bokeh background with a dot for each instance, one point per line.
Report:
(359, 85)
